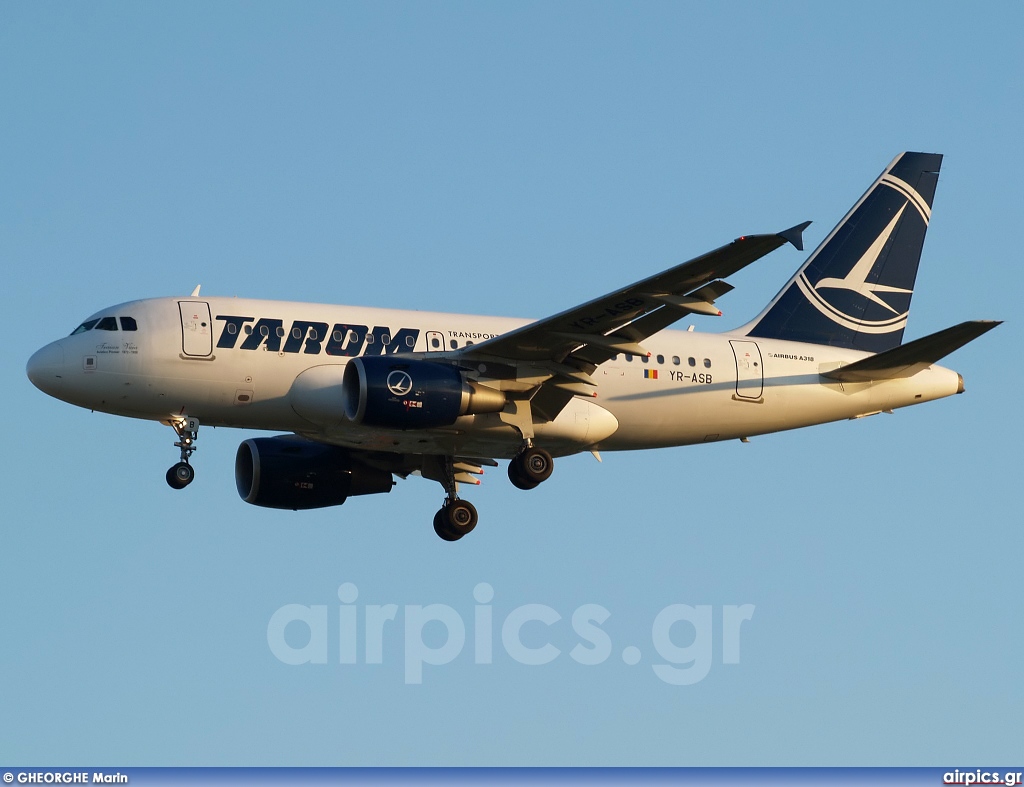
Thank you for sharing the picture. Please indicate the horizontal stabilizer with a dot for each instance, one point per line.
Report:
(908, 359)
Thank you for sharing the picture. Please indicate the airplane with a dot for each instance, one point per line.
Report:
(367, 394)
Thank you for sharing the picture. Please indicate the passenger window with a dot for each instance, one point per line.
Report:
(454, 344)
(232, 328)
(707, 363)
(265, 330)
(88, 325)
(675, 360)
(435, 342)
(629, 357)
(338, 336)
(661, 359)
(313, 335)
(385, 339)
(645, 359)
(296, 333)
(107, 324)
(129, 324)
(248, 330)
(411, 341)
(369, 338)
(614, 357)
(280, 331)
(691, 361)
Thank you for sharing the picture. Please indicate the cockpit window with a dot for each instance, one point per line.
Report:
(88, 325)
(129, 324)
(107, 324)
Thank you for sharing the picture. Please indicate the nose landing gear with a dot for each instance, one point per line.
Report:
(181, 475)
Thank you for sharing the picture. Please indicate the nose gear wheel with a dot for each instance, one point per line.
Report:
(181, 475)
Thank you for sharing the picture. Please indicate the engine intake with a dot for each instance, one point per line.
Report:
(297, 474)
(396, 394)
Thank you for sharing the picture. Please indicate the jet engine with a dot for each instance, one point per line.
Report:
(297, 474)
(397, 394)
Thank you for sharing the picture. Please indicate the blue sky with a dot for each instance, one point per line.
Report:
(511, 159)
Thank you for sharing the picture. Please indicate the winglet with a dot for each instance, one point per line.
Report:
(795, 235)
(195, 292)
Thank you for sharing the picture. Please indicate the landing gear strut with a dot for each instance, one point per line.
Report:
(456, 517)
(180, 475)
(530, 467)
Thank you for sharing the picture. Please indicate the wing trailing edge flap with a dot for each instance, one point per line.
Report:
(465, 468)
(910, 358)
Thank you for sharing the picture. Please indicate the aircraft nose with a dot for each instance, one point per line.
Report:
(46, 368)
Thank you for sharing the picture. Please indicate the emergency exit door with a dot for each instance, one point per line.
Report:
(435, 342)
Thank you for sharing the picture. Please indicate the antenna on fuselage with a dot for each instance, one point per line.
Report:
(195, 292)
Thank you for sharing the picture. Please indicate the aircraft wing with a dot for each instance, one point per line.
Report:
(617, 322)
(465, 469)
(542, 366)
(549, 361)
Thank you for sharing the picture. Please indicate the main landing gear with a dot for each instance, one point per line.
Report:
(181, 475)
(456, 517)
(530, 467)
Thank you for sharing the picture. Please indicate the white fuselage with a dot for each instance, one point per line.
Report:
(274, 365)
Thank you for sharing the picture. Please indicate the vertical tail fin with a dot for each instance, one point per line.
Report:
(854, 291)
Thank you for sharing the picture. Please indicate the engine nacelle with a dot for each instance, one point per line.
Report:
(297, 474)
(403, 394)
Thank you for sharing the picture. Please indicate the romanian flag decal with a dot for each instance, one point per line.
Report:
(650, 374)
